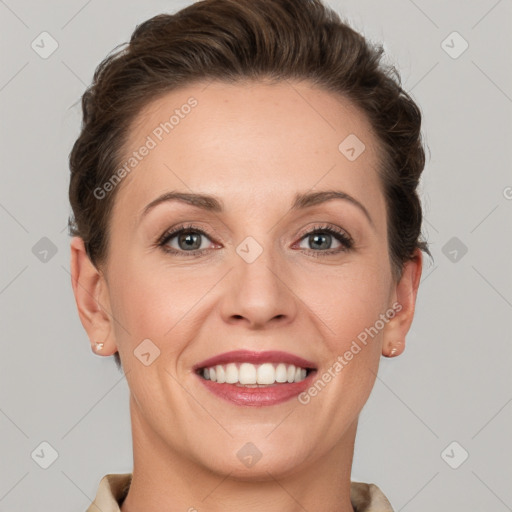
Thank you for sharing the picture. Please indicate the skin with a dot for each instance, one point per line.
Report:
(254, 146)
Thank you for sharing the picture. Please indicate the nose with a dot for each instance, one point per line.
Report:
(259, 294)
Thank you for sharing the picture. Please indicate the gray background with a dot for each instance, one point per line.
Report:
(453, 383)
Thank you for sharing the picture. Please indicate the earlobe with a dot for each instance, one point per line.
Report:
(404, 298)
(92, 301)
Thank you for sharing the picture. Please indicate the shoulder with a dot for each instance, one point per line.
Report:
(368, 498)
(112, 490)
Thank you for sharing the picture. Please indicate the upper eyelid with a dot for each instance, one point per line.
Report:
(172, 232)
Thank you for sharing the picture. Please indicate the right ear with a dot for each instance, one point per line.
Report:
(92, 299)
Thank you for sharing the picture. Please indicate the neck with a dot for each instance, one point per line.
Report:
(164, 479)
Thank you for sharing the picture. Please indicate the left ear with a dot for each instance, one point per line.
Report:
(404, 300)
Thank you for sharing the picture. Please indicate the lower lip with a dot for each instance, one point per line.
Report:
(258, 397)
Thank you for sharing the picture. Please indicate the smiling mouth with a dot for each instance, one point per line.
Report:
(243, 374)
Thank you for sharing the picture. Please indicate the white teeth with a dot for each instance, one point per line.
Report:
(231, 373)
(266, 374)
(281, 373)
(220, 374)
(247, 374)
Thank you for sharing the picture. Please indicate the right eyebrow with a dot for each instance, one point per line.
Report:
(205, 202)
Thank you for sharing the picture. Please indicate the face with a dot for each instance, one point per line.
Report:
(249, 306)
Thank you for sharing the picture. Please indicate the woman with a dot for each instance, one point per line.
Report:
(246, 242)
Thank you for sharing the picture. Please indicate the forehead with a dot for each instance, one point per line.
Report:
(248, 142)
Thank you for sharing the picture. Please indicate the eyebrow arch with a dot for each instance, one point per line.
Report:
(313, 198)
(205, 202)
(214, 204)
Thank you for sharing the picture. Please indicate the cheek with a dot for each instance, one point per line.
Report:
(347, 300)
(156, 304)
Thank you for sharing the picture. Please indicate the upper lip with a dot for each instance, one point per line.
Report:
(248, 356)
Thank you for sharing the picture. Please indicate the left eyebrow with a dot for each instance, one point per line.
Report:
(215, 204)
(309, 199)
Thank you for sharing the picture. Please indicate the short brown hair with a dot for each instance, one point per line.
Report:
(232, 41)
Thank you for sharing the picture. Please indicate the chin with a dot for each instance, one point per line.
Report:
(258, 460)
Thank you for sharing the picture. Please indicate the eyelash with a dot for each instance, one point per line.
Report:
(342, 237)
